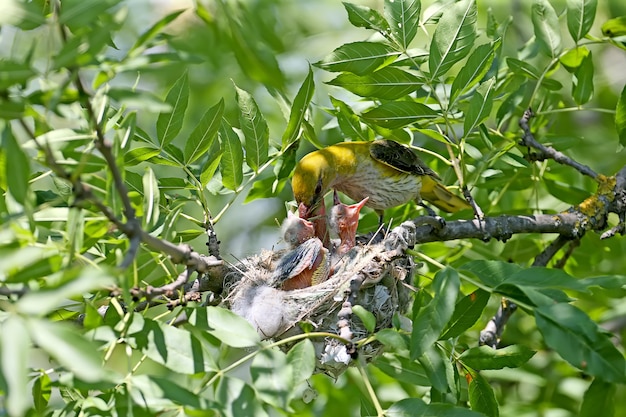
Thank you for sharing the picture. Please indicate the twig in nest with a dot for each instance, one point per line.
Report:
(547, 152)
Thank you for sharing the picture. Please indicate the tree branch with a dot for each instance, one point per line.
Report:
(547, 152)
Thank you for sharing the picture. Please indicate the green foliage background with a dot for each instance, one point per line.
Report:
(168, 86)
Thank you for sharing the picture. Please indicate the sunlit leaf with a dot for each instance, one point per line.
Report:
(301, 358)
(365, 17)
(42, 389)
(582, 85)
(14, 351)
(396, 114)
(225, 325)
(69, 348)
(388, 83)
(580, 16)
(170, 123)
(203, 135)
(231, 163)
(143, 41)
(474, 69)
(615, 27)
(176, 349)
(546, 26)
(255, 130)
(479, 107)
(359, 58)
(151, 197)
(272, 377)
(403, 18)
(299, 109)
(453, 37)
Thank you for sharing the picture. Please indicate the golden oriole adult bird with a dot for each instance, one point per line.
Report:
(389, 173)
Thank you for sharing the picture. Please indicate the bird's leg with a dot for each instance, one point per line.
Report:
(433, 219)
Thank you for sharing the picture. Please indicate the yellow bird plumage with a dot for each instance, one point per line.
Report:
(389, 173)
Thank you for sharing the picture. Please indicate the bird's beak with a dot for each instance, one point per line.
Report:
(304, 211)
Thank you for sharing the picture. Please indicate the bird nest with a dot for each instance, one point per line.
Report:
(374, 276)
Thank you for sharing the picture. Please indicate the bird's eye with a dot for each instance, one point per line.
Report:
(318, 187)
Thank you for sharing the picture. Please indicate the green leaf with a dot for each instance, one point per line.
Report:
(579, 341)
(580, 16)
(176, 349)
(397, 114)
(402, 369)
(142, 41)
(485, 357)
(599, 399)
(225, 325)
(434, 363)
(620, 117)
(482, 397)
(272, 377)
(359, 58)
(231, 163)
(42, 389)
(403, 17)
(479, 107)
(15, 351)
(368, 319)
(392, 339)
(365, 17)
(388, 83)
(210, 166)
(25, 15)
(69, 348)
(255, 131)
(573, 58)
(474, 69)
(349, 122)
(157, 392)
(236, 398)
(170, 123)
(582, 85)
(151, 198)
(414, 407)
(301, 359)
(546, 27)
(143, 100)
(78, 13)
(298, 110)
(491, 273)
(453, 38)
(140, 154)
(466, 313)
(17, 167)
(540, 277)
(615, 27)
(203, 135)
(12, 73)
(432, 319)
(44, 301)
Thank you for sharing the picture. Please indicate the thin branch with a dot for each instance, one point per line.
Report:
(490, 335)
(547, 152)
(548, 253)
